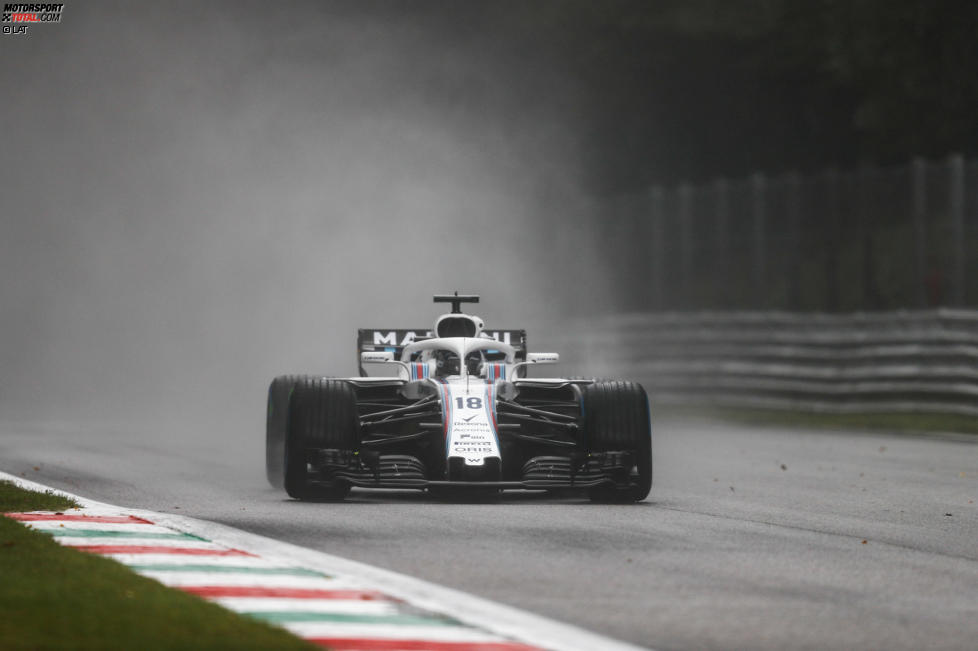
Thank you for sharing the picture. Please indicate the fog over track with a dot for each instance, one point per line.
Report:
(195, 200)
(751, 539)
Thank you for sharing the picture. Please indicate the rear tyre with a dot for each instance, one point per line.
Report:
(322, 414)
(616, 418)
(275, 421)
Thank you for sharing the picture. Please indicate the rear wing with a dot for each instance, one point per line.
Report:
(394, 341)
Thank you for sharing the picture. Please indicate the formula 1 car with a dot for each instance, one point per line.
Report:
(456, 409)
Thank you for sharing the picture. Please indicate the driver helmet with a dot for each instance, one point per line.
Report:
(473, 363)
(446, 363)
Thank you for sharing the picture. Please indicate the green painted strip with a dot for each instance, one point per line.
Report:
(95, 533)
(291, 571)
(397, 620)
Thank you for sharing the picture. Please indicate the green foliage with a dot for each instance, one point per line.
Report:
(17, 500)
(693, 89)
(909, 65)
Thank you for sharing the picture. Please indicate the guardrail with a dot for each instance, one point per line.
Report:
(910, 361)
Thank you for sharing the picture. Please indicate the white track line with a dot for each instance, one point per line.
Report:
(170, 559)
(382, 631)
(185, 579)
(99, 526)
(170, 543)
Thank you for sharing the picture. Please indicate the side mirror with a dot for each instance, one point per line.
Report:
(535, 358)
(383, 357)
(377, 357)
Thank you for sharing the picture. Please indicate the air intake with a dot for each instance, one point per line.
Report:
(456, 326)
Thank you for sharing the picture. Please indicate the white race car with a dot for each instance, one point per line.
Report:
(455, 409)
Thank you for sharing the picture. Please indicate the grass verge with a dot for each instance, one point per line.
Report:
(888, 421)
(14, 499)
(53, 597)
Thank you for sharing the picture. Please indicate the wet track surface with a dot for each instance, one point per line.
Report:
(752, 538)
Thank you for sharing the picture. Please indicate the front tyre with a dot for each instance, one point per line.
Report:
(275, 421)
(322, 414)
(616, 419)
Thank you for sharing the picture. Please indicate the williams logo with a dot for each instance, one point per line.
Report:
(18, 18)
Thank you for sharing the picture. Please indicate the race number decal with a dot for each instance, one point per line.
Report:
(469, 403)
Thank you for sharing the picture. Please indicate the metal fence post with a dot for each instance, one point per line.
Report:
(868, 296)
(793, 265)
(956, 209)
(686, 235)
(971, 230)
(721, 244)
(657, 217)
(758, 208)
(831, 239)
(918, 171)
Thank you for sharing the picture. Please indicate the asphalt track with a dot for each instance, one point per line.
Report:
(753, 538)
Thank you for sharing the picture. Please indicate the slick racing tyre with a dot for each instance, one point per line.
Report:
(275, 420)
(616, 418)
(322, 414)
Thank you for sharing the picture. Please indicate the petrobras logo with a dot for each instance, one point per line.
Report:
(17, 18)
